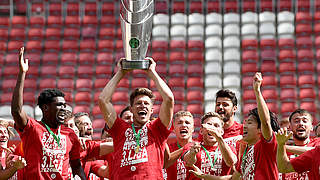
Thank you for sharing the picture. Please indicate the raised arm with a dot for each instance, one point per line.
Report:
(227, 155)
(263, 109)
(283, 162)
(166, 109)
(105, 104)
(298, 149)
(19, 116)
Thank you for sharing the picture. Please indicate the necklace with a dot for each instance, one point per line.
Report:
(209, 157)
(137, 137)
(56, 137)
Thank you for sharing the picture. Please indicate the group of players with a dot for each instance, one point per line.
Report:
(134, 144)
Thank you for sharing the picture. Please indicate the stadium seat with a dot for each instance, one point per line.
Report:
(70, 45)
(285, 16)
(230, 81)
(250, 56)
(248, 95)
(307, 94)
(195, 45)
(65, 84)
(269, 81)
(284, 43)
(249, 68)
(303, 17)
(231, 30)
(231, 18)
(306, 80)
(213, 68)
(82, 98)
(177, 57)
(84, 84)
(176, 70)
(269, 54)
(213, 42)
(288, 94)
(178, 7)
(120, 97)
(303, 29)
(66, 71)
(35, 33)
(267, 30)
(195, 70)
(268, 44)
(231, 67)
(213, 81)
(287, 67)
(72, 21)
(231, 55)
(53, 33)
(249, 18)
(195, 57)
(81, 108)
(139, 83)
(248, 5)
(213, 30)
(249, 44)
(178, 32)
(305, 67)
(196, 32)
(214, 18)
(55, 9)
(309, 106)
(287, 55)
(48, 71)
(270, 95)
(268, 67)
(159, 46)
(36, 21)
(69, 58)
(287, 108)
(266, 5)
(231, 42)
(161, 19)
(305, 55)
(196, 18)
(213, 55)
(249, 31)
(46, 83)
(267, 17)
(71, 33)
(18, 21)
(54, 21)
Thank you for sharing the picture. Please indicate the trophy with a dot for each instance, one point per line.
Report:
(136, 26)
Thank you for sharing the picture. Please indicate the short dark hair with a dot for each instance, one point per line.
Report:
(141, 91)
(47, 95)
(78, 115)
(211, 114)
(127, 108)
(300, 111)
(273, 119)
(229, 94)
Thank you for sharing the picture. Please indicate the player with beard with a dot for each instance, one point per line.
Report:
(213, 155)
(258, 161)
(183, 127)
(84, 124)
(226, 106)
(308, 161)
(48, 147)
(139, 146)
(301, 126)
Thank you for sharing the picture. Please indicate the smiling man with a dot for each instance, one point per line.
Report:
(138, 146)
(301, 126)
(213, 155)
(84, 124)
(183, 124)
(226, 106)
(49, 147)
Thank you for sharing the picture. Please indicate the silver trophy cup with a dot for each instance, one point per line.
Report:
(136, 26)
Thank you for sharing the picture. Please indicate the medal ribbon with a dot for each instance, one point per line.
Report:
(244, 157)
(178, 145)
(56, 137)
(137, 136)
(209, 157)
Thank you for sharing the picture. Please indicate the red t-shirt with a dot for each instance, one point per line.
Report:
(89, 155)
(178, 170)
(260, 161)
(45, 158)
(299, 176)
(148, 162)
(220, 168)
(233, 134)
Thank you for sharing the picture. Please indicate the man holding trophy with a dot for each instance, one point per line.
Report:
(138, 146)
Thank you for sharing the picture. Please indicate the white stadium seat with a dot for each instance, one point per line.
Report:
(178, 18)
(285, 16)
(214, 30)
(231, 18)
(213, 42)
(249, 31)
(231, 29)
(161, 19)
(214, 18)
(196, 18)
(249, 18)
(213, 55)
(267, 17)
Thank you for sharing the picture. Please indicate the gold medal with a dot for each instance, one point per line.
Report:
(137, 149)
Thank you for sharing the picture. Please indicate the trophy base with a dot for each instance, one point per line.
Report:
(135, 64)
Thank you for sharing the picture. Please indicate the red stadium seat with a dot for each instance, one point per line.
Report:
(266, 5)
(73, 9)
(160, 57)
(14, 46)
(307, 93)
(71, 33)
(66, 85)
(96, 112)
(69, 58)
(306, 80)
(178, 6)
(248, 95)
(35, 33)
(100, 83)
(12, 59)
(55, 9)
(8, 85)
(195, 45)
(48, 71)
(249, 44)
(84, 85)
(19, 21)
(304, 42)
(246, 82)
(66, 71)
(107, 33)
(90, 8)
(46, 83)
(177, 45)
(268, 54)
(179, 96)
(17, 34)
(162, 69)
(288, 80)
(86, 58)
(34, 46)
(10, 72)
(139, 82)
(52, 45)
(273, 107)
(269, 81)
(286, 43)
(287, 67)
(33, 71)
(176, 70)
(288, 95)
(70, 45)
(177, 57)
(50, 58)
(104, 58)
(309, 106)
(249, 68)
(159, 45)
(195, 109)
(120, 97)
(213, 6)
(268, 67)
(247, 107)
(285, 5)
(103, 71)
(83, 98)
(287, 55)
(287, 108)
(248, 5)
(194, 96)
(108, 8)
(305, 55)
(98, 124)
(72, 21)
(305, 67)
(105, 45)
(303, 29)
(231, 6)
(88, 45)
(85, 71)
(195, 70)
(89, 20)
(270, 95)
(108, 20)
(250, 56)
(54, 21)
(195, 57)
(195, 83)
(268, 44)
(177, 83)
(79, 108)
(195, 6)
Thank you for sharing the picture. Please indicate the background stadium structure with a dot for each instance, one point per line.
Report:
(200, 46)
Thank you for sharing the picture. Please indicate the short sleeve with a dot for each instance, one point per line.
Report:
(117, 125)
(299, 163)
(26, 129)
(160, 130)
(270, 145)
(75, 149)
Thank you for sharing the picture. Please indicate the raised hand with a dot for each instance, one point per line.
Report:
(211, 130)
(119, 65)
(197, 172)
(16, 161)
(23, 63)
(152, 65)
(195, 148)
(257, 81)
(283, 136)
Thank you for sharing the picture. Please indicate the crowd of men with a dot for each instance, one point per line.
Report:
(134, 144)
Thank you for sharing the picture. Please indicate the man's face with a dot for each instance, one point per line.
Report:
(183, 127)
(141, 109)
(4, 137)
(57, 110)
(301, 126)
(251, 132)
(72, 125)
(213, 123)
(127, 116)
(85, 126)
(225, 108)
